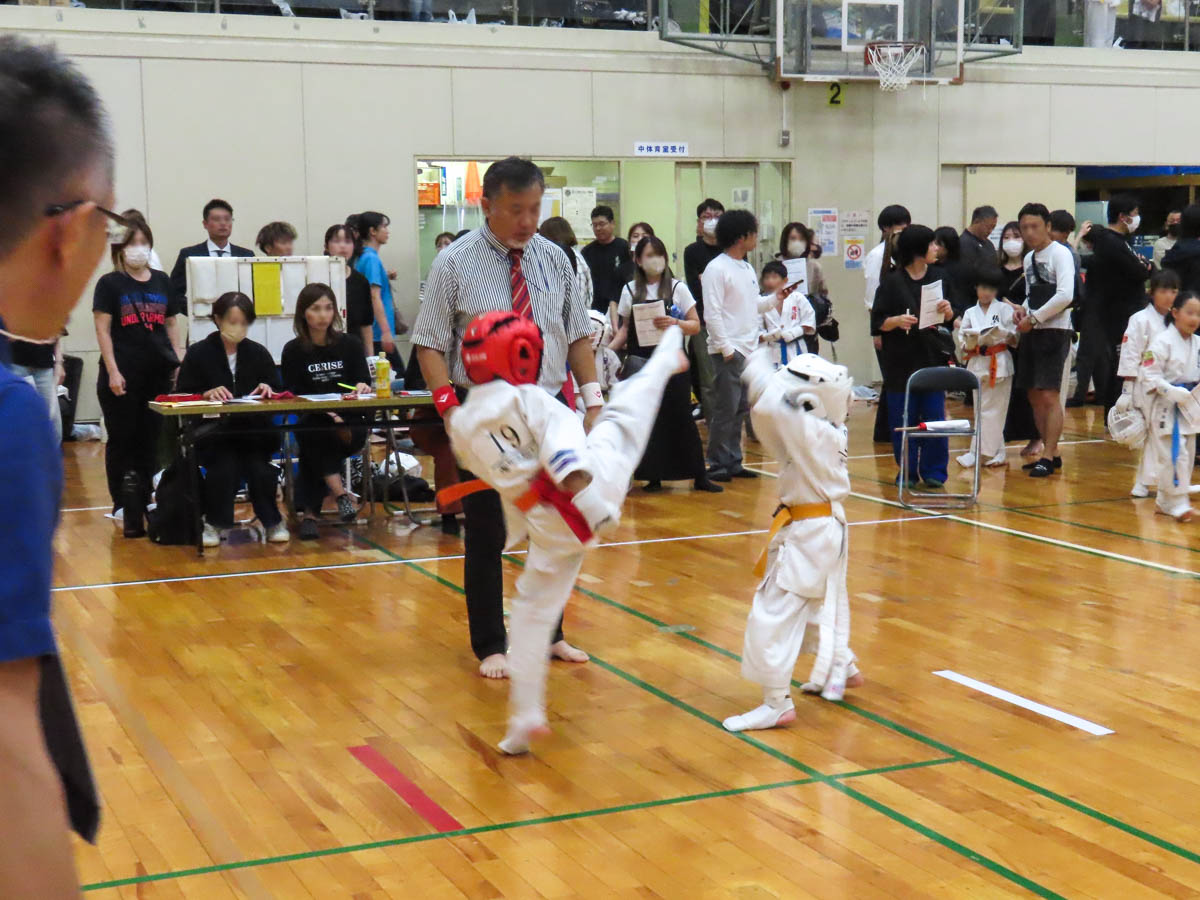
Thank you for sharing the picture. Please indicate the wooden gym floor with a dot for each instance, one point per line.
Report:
(304, 721)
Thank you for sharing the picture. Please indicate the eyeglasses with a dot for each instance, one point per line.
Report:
(58, 209)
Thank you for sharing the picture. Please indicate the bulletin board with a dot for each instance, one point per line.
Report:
(271, 282)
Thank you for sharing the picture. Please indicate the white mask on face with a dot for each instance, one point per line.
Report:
(654, 265)
(797, 248)
(1134, 223)
(710, 226)
(1012, 248)
(137, 256)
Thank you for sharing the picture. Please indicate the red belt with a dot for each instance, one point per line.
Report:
(993, 351)
(541, 490)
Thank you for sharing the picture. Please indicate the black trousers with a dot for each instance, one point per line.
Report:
(322, 453)
(133, 430)
(674, 451)
(228, 462)
(1095, 360)
(882, 433)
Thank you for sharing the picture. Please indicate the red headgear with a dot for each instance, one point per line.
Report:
(502, 345)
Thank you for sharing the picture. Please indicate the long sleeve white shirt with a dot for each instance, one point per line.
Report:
(1056, 266)
(873, 269)
(732, 306)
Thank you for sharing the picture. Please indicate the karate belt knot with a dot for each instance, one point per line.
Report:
(994, 352)
(1176, 439)
(541, 490)
(785, 515)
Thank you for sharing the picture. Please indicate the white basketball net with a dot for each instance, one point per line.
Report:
(893, 62)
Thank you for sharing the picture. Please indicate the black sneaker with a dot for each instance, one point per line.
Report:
(744, 473)
(450, 525)
(308, 530)
(705, 484)
(347, 511)
(1056, 462)
(1043, 468)
(653, 487)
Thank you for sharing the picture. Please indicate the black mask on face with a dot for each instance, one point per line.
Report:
(1173, 230)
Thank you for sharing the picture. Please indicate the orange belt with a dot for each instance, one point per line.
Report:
(786, 515)
(541, 490)
(993, 351)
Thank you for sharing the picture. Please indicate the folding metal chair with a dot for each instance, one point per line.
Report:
(939, 378)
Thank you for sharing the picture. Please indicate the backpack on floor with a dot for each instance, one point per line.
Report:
(173, 519)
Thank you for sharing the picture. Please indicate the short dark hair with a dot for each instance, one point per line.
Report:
(891, 216)
(274, 232)
(735, 225)
(1121, 205)
(1189, 221)
(233, 300)
(1034, 209)
(1062, 221)
(369, 220)
(309, 295)
(775, 267)
(217, 203)
(948, 238)
(461, 233)
(982, 213)
(1165, 280)
(351, 235)
(1181, 300)
(988, 274)
(55, 130)
(513, 173)
(444, 234)
(913, 242)
(708, 204)
(559, 230)
(603, 212)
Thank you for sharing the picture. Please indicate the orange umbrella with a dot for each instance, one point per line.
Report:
(473, 192)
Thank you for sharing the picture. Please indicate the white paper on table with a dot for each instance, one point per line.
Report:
(320, 397)
(293, 282)
(246, 278)
(648, 334)
(797, 273)
(931, 296)
(1190, 411)
(202, 278)
(227, 274)
(250, 400)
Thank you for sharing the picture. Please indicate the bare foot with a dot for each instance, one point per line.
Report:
(855, 680)
(681, 364)
(1034, 448)
(564, 651)
(494, 666)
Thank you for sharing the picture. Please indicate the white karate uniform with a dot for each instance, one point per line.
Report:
(1172, 360)
(801, 602)
(507, 435)
(992, 408)
(785, 329)
(1144, 326)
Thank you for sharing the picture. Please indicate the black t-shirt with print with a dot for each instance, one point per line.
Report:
(318, 369)
(139, 311)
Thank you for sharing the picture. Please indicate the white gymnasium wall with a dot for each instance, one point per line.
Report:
(306, 120)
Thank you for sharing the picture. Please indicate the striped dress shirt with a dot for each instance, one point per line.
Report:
(474, 275)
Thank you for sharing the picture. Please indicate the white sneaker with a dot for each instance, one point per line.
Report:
(1139, 491)
(211, 537)
(279, 534)
(967, 460)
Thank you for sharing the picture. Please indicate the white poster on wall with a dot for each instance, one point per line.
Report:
(577, 206)
(552, 201)
(855, 224)
(825, 223)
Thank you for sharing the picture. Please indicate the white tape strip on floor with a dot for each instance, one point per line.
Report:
(1032, 705)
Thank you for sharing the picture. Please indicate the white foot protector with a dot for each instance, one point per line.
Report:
(997, 461)
(1194, 489)
(1139, 491)
(966, 460)
(762, 717)
(521, 733)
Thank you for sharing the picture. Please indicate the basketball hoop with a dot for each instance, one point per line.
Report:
(893, 60)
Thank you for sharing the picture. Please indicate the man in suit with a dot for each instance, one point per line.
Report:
(218, 222)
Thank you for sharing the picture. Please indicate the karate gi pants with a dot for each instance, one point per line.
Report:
(615, 446)
(1173, 498)
(992, 410)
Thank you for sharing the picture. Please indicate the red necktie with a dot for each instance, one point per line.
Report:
(521, 303)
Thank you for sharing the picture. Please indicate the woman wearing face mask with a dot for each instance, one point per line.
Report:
(224, 365)
(674, 451)
(319, 360)
(798, 242)
(340, 240)
(1019, 425)
(140, 332)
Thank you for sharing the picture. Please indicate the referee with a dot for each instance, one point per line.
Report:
(504, 265)
(56, 177)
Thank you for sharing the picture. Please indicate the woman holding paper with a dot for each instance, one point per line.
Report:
(224, 366)
(650, 304)
(910, 296)
(319, 360)
(798, 242)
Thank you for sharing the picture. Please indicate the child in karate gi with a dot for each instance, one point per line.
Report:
(1144, 326)
(799, 413)
(784, 329)
(558, 486)
(1171, 370)
(607, 361)
(987, 332)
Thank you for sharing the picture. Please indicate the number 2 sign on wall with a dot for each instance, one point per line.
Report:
(835, 94)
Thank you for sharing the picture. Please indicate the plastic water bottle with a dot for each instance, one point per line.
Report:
(383, 376)
(674, 312)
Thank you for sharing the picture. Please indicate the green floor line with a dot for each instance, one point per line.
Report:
(498, 826)
(896, 816)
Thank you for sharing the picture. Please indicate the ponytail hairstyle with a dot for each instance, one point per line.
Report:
(1181, 300)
